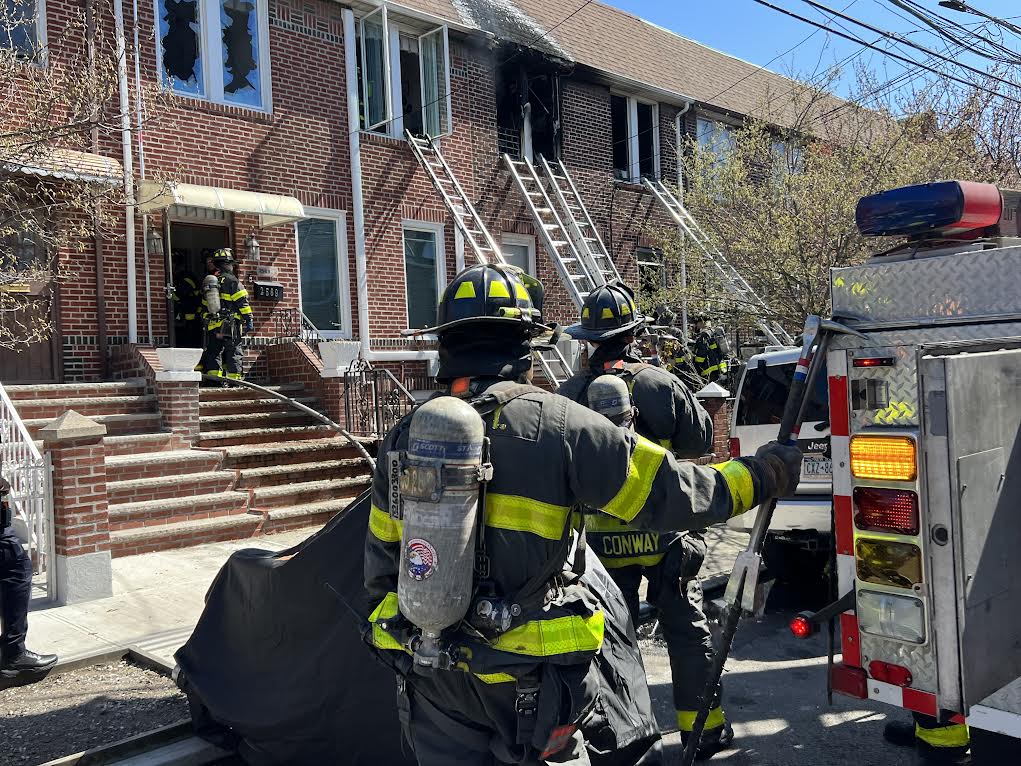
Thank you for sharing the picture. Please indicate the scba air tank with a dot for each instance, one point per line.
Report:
(439, 486)
(211, 293)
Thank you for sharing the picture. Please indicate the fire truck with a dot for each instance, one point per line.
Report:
(925, 415)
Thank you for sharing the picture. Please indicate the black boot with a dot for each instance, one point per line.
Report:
(27, 662)
(900, 733)
(712, 742)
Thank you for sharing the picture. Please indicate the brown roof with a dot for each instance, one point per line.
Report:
(610, 40)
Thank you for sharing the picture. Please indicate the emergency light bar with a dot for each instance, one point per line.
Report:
(940, 208)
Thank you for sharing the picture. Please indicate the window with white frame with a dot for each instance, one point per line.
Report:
(216, 50)
(519, 250)
(324, 292)
(714, 136)
(634, 126)
(651, 271)
(404, 76)
(23, 27)
(424, 271)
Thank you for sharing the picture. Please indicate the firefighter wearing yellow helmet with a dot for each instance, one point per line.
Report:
(662, 409)
(482, 483)
(227, 316)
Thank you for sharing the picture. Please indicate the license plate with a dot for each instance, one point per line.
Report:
(817, 466)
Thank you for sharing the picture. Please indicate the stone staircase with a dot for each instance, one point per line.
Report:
(258, 465)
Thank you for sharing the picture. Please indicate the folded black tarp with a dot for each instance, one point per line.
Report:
(276, 666)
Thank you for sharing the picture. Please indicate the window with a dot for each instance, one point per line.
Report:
(322, 266)
(651, 271)
(715, 136)
(788, 157)
(764, 396)
(634, 127)
(398, 66)
(424, 273)
(519, 250)
(215, 49)
(23, 27)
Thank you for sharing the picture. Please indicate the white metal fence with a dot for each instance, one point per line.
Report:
(31, 497)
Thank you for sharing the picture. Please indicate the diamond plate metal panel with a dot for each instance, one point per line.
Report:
(928, 335)
(902, 382)
(918, 659)
(949, 288)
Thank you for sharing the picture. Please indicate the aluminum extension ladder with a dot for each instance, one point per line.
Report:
(552, 363)
(575, 273)
(580, 226)
(732, 281)
(461, 210)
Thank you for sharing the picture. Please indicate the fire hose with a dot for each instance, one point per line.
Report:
(298, 405)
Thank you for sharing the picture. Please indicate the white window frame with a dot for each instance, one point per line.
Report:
(522, 239)
(633, 152)
(42, 53)
(392, 30)
(212, 76)
(657, 259)
(339, 217)
(438, 229)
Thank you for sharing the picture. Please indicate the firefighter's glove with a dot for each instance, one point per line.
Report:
(249, 325)
(778, 468)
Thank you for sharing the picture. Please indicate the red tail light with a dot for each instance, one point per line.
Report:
(886, 510)
(735, 447)
(801, 626)
(850, 681)
(891, 674)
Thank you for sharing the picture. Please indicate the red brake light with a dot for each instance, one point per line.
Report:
(735, 447)
(850, 681)
(801, 626)
(891, 674)
(886, 510)
(874, 361)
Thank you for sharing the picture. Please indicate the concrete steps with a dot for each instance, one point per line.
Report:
(289, 417)
(305, 515)
(182, 534)
(307, 492)
(150, 513)
(167, 487)
(244, 407)
(138, 444)
(48, 409)
(304, 451)
(263, 435)
(129, 387)
(240, 392)
(119, 424)
(161, 464)
(251, 478)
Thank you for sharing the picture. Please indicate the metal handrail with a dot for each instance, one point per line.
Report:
(28, 472)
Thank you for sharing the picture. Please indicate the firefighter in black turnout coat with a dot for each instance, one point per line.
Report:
(665, 412)
(543, 665)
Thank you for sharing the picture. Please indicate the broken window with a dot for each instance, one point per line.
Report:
(619, 129)
(510, 83)
(544, 115)
(651, 271)
(398, 67)
(635, 138)
(215, 49)
(21, 25)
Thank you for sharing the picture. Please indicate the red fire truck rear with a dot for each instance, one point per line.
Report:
(925, 415)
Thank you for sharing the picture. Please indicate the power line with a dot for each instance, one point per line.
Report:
(859, 41)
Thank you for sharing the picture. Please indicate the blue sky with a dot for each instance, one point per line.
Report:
(752, 32)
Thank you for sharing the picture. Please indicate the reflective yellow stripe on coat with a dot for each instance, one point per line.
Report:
(739, 482)
(645, 462)
(523, 514)
(387, 608)
(561, 635)
(383, 526)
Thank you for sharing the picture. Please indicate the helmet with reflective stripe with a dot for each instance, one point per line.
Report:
(223, 255)
(608, 311)
(494, 294)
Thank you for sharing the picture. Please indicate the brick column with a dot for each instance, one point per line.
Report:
(716, 401)
(81, 530)
(177, 393)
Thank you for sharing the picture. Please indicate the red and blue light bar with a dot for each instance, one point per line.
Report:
(940, 208)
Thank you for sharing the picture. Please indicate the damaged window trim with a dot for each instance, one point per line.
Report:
(398, 23)
(634, 174)
(211, 52)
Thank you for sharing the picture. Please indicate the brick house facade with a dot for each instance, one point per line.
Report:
(298, 144)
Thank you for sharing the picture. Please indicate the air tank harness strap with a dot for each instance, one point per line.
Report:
(526, 704)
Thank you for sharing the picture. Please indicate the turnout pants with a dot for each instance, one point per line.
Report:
(685, 628)
(15, 591)
(223, 342)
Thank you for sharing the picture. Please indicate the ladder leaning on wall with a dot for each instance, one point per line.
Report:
(549, 358)
(729, 277)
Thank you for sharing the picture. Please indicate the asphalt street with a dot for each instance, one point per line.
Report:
(775, 696)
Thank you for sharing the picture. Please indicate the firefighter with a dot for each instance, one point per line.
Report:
(225, 328)
(937, 740)
(16, 662)
(187, 300)
(667, 414)
(513, 680)
(710, 363)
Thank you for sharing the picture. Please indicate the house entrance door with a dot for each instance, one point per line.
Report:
(190, 245)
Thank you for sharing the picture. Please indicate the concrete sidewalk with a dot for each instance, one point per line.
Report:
(158, 597)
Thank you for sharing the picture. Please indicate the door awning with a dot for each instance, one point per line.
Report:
(272, 209)
(67, 165)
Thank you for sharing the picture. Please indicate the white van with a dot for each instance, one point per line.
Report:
(801, 524)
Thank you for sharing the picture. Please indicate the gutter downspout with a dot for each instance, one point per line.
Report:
(358, 205)
(679, 153)
(129, 173)
(141, 169)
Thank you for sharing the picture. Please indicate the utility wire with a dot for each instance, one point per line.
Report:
(859, 41)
